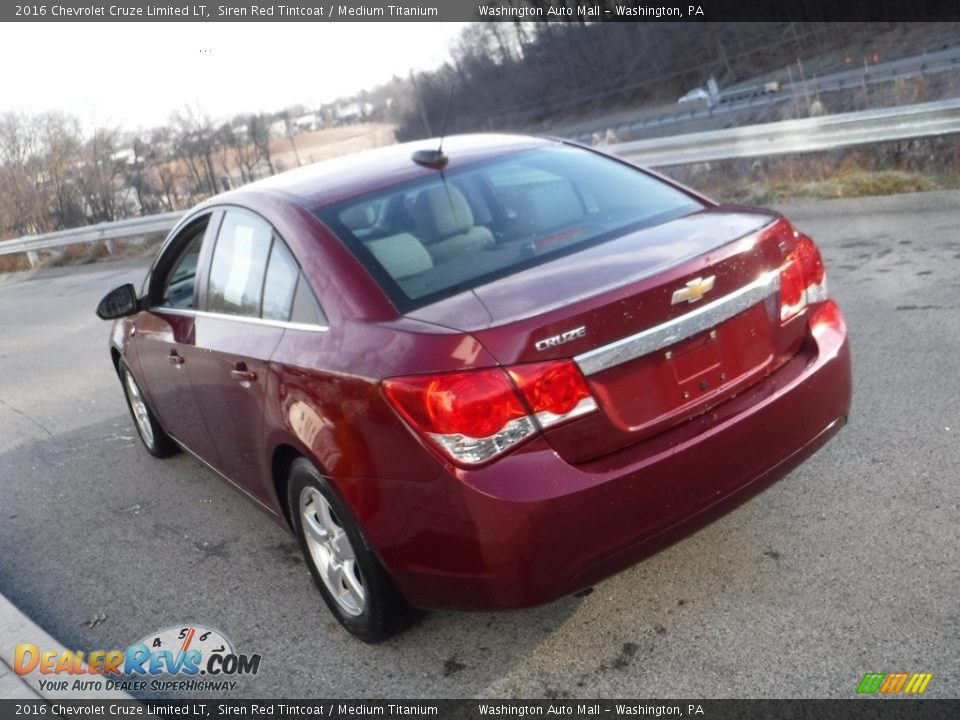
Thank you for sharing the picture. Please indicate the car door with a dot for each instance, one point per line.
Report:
(237, 332)
(166, 337)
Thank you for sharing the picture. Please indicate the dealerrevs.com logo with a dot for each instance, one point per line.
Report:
(894, 683)
(187, 658)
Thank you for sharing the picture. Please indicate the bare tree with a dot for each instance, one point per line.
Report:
(61, 146)
(246, 153)
(235, 151)
(259, 129)
(290, 126)
(101, 177)
(22, 198)
(194, 144)
(139, 177)
(163, 161)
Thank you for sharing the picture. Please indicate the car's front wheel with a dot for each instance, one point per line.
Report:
(354, 584)
(155, 440)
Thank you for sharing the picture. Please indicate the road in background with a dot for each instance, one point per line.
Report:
(745, 103)
(849, 565)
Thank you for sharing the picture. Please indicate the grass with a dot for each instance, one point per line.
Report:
(863, 183)
(890, 168)
(80, 254)
(14, 263)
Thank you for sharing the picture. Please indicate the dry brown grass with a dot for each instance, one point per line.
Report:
(14, 263)
(852, 183)
(882, 169)
(333, 142)
(81, 254)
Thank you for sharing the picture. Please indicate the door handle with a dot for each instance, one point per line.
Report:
(241, 374)
(174, 358)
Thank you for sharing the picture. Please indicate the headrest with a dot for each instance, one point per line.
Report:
(401, 255)
(552, 205)
(441, 211)
(358, 216)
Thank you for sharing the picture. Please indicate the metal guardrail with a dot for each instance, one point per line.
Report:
(790, 136)
(797, 136)
(131, 227)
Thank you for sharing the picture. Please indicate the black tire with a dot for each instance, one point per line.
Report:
(153, 437)
(383, 612)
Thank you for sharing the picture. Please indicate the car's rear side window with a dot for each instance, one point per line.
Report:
(286, 292)
(254, 274)
(280, 283)
(427, 239)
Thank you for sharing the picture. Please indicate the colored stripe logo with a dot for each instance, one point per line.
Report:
(894, 683)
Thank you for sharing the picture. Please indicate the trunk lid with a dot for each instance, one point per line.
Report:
(665, 323)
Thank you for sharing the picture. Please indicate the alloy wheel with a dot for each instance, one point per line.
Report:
(139, 407)
(331, 552)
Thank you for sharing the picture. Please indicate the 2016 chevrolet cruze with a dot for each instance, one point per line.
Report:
(484, 377)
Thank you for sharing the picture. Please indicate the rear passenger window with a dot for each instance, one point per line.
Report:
(286, 293)
(306, 309)
(281, 283)
(253, 273)
(238, 266)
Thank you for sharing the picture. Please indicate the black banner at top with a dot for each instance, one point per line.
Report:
(481, 11)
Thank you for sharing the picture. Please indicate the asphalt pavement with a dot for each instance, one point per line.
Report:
(849, 565)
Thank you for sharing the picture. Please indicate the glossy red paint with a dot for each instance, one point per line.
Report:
(533, 527)
(166, 348)
(572, 504)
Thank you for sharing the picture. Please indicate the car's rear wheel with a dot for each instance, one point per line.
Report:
(354, 584)
(155, 440)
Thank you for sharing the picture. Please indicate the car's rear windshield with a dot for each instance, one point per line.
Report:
(431, 238)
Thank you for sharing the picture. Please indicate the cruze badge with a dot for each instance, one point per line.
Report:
(562, 338)
(693, 290)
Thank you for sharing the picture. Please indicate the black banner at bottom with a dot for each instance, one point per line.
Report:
(855, 709)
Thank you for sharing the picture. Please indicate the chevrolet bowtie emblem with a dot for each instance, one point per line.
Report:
(693, 290)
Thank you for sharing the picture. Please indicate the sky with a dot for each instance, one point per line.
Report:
(133, 75)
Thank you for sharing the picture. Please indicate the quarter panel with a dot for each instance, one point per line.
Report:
(328, 401)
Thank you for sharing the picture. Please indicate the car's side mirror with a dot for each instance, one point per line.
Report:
(118, 303)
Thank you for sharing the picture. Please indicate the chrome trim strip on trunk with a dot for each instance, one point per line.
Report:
(681, 328)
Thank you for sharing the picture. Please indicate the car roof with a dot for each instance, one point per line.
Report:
(331, 181)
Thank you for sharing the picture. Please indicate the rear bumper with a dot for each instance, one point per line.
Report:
(531, 527)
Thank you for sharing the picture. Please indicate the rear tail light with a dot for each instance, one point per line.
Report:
(476, 415)
(803, 280)
(555, 391)
(470, 416)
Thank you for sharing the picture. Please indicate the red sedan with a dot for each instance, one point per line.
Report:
(484, 377)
